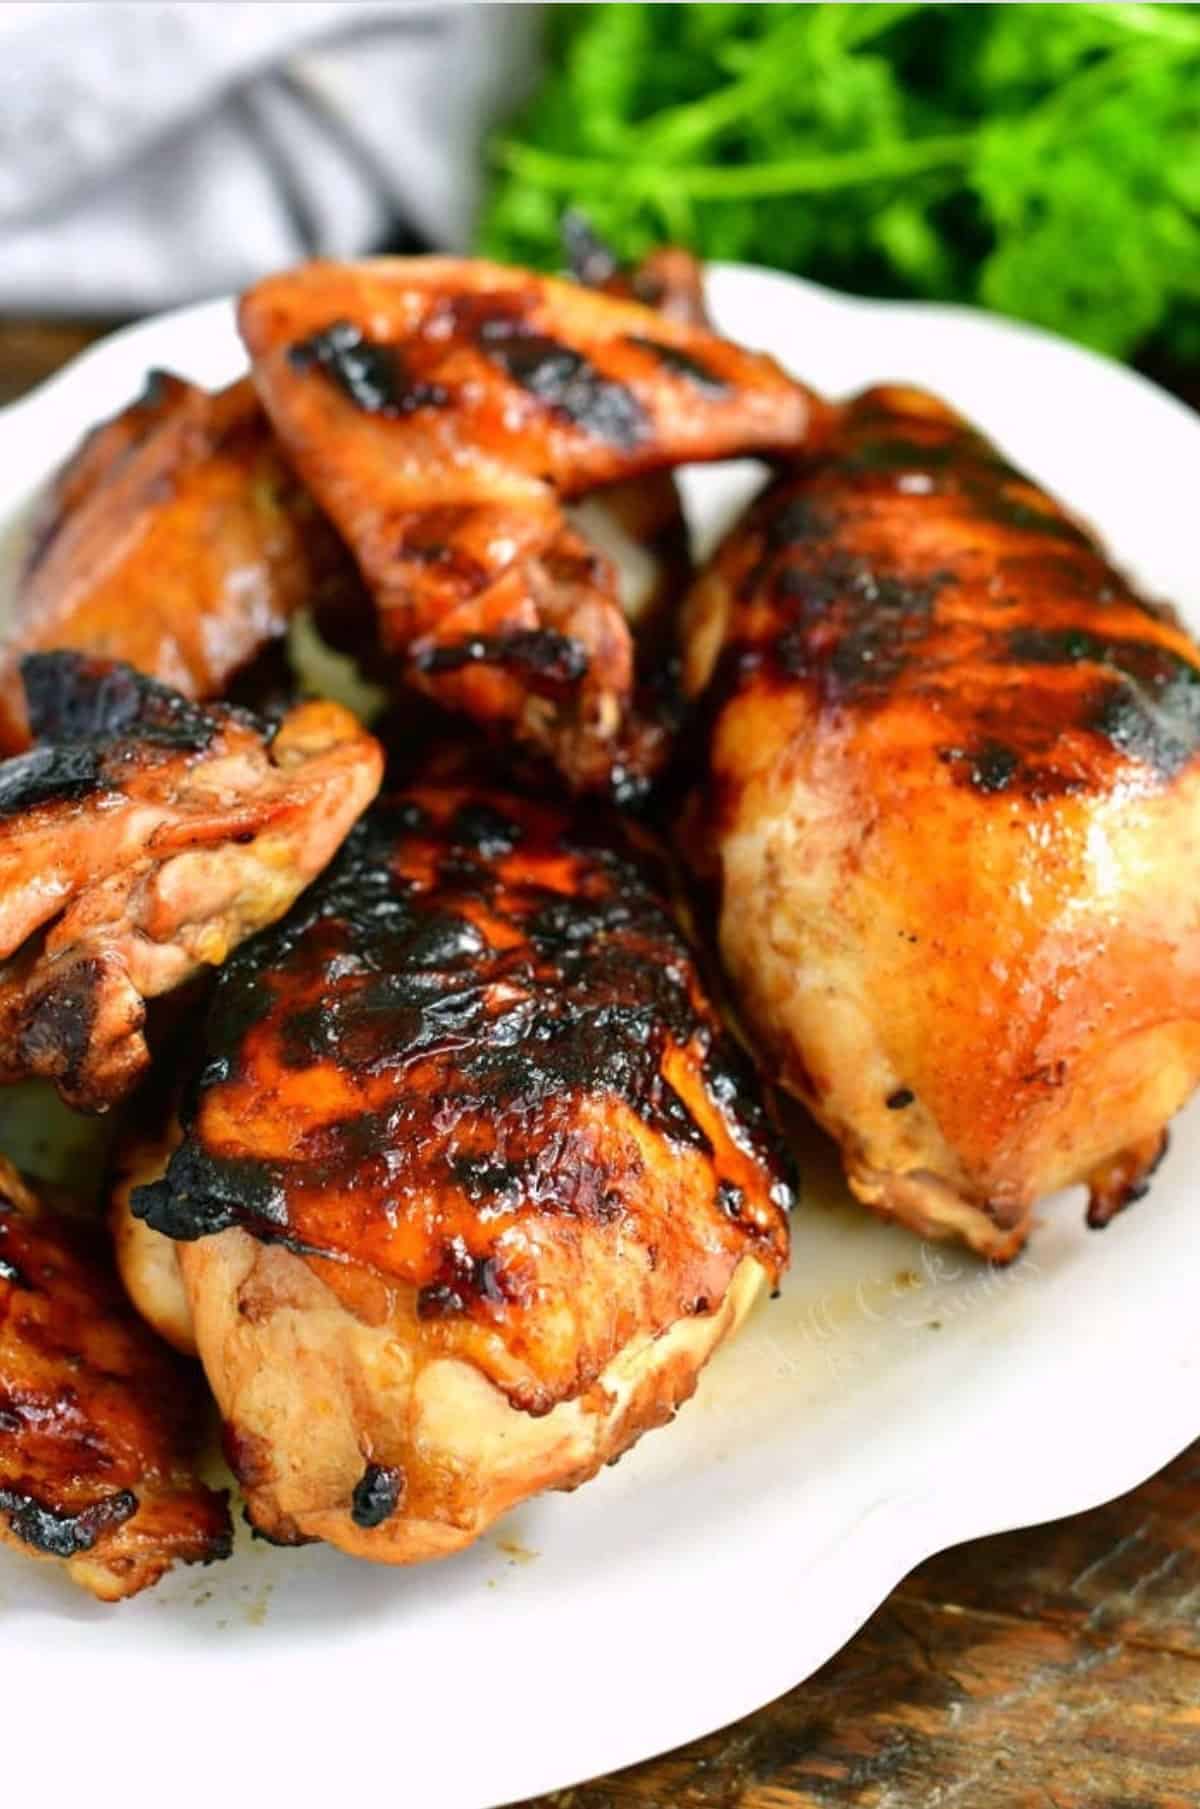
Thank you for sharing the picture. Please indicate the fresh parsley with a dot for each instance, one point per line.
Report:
(1041, 160)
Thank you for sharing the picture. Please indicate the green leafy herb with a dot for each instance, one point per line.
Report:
(1042, 160)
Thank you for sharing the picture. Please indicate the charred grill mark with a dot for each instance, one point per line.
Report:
(87, 712)
(799, 521)
(1147, 661)
(49, 775)
(992, 502)
(682, 364)
(60, 1534)
(893, 453)
(536, 653)
(990, 767)
(55, 1034)
(377, 1494)
(853, 628)
(485, 830)
(374, 377)
(464, 1281)
(1150, 709)
(470, 1052)
(566, 382)
(1145, 702)
(785, 527)
(1061, 647)
(484, 1178)
(872, 653)
(426, 999)
(74, 699)
(961, 461)
(400, 816)
(1156, 722)
(832, 599)
(203, 1194)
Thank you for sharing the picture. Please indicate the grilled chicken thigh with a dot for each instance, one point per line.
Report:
(97, 1420)
(441, 412)
(471, 1182)
(954, 809)
(146, 1260)
(140, 841)
(176, 539)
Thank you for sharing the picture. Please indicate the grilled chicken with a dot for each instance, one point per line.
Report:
(140, 841)
(954, 810)
(441, 412)
(97, 1421)
(668, 279)
(146, 1260)
(639, 523)
(176, 539)
(471, 1183)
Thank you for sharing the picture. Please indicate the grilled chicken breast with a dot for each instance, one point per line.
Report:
(140, 841)
(98, 1421)
(954, 810)
(176, 539)
(471, 1183)
(441, 411)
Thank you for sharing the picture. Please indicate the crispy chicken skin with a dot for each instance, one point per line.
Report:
(97, 1420)
(442, 411)
(471, 1183)
(140, 841)
(177, 539)
(954, 811)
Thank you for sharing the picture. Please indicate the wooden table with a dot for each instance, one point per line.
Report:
(1052, 1669)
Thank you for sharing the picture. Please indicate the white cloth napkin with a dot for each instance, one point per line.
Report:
(155, 153)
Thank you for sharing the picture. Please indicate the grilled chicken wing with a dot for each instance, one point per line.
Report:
(176, 539)
(141, 840)
(471, 1184)
(441, 412)
(954, 805)
(97, 1420)
(668, 279)
(639, 522)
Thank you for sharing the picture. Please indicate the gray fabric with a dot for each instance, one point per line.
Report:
(154, 153)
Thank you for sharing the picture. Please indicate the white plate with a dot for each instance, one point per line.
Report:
(898, 1398)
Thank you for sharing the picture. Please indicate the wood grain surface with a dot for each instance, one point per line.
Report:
(31, 350)
(1056, 1668)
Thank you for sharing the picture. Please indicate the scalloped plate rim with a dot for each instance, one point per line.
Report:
(856, 1568)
